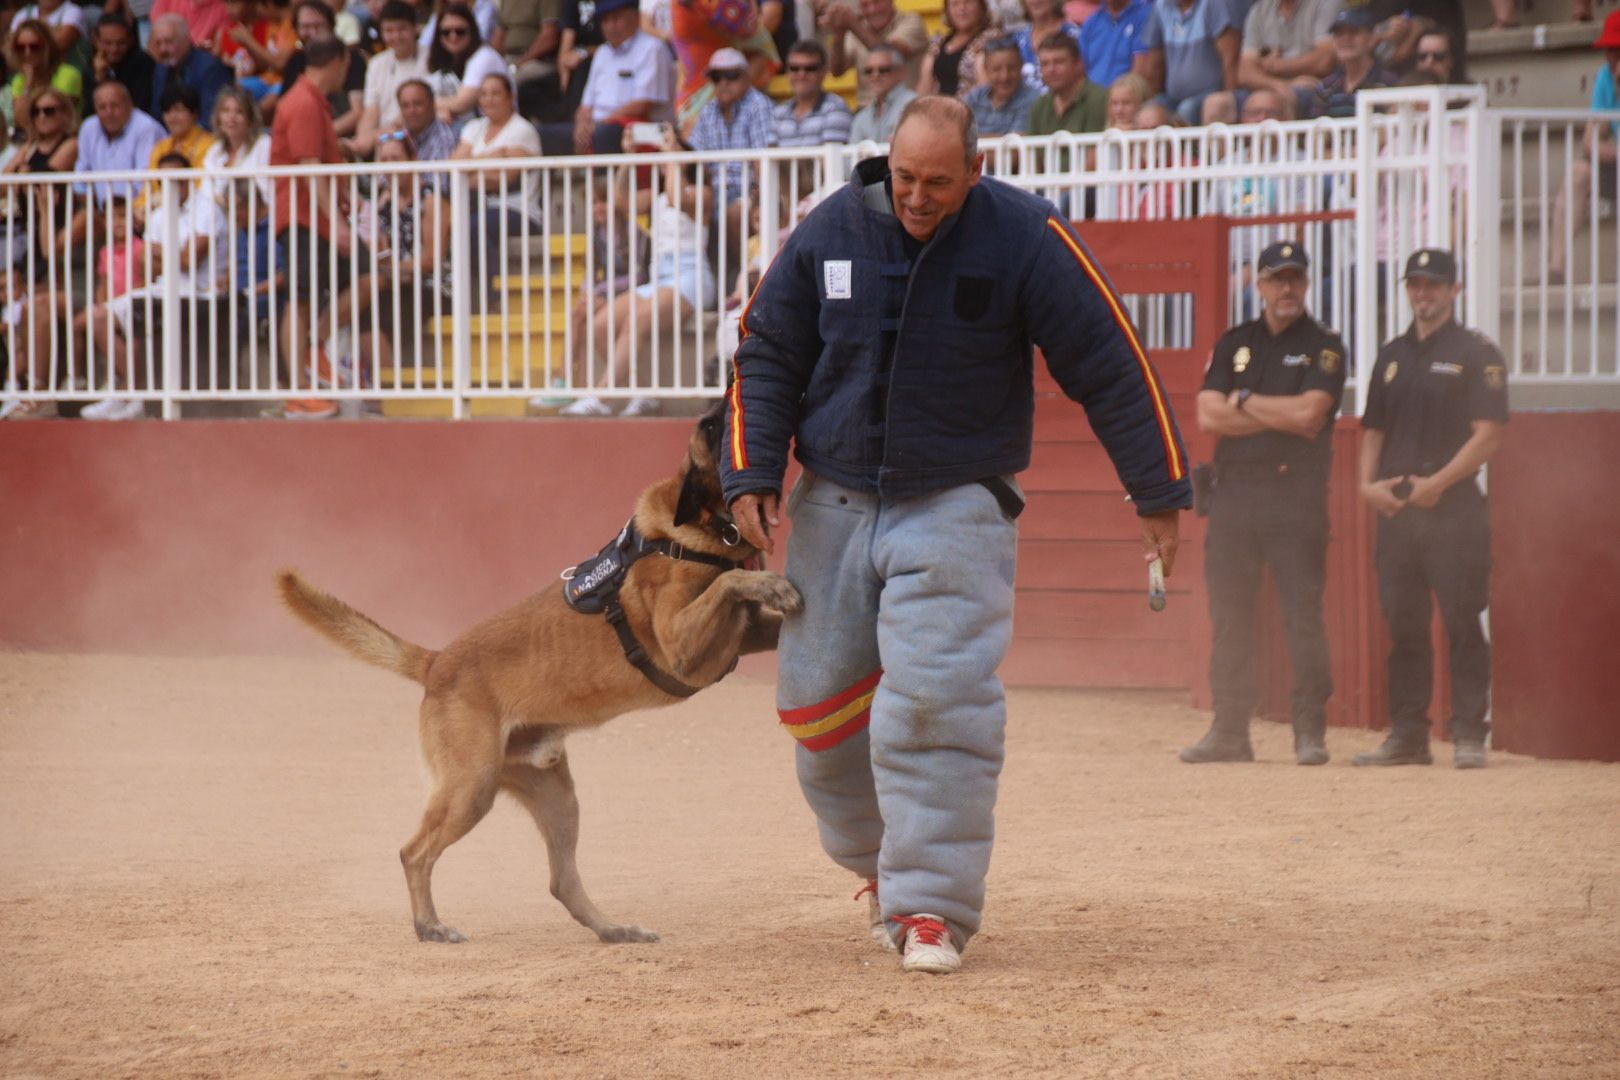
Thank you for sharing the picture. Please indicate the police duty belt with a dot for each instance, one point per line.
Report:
(592, 588)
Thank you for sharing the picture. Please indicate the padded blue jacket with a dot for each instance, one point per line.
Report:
(905, 377)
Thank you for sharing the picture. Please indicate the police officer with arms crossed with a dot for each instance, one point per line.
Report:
(1270, 395)
(1436, 406)
(892, 340)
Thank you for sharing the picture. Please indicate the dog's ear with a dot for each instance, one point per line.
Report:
(689, 505)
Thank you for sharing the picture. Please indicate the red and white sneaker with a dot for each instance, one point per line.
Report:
(875, 929)
(928, 946)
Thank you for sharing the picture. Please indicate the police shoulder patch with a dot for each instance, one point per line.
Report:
(1330, 361)
(1495, 376)
(1389, 372)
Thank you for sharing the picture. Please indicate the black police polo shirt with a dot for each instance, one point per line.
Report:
(1425, 396)
(1305, 356)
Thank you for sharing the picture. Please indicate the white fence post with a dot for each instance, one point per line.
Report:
(461, 286)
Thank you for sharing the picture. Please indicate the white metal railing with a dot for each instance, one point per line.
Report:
(541, 304)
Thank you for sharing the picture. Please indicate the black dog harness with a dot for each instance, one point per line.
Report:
(592, 588)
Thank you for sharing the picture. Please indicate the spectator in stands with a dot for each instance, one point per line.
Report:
(527, 33)
(812, 116)
(1267, 104)
(1045, 19)
(249, 46)
(485, 14)
(1156, 114)
(853, 35)
(458, 63)
(197, 271)
(882, 74)
(402, 59)
(699, 28)
(1403, 23)
(1439, 57)
(431, 138)
(119, 57)
(314, 228)
(1111, 40)
(1598, 148)
(241, 145)
(1357, 68)
(313, 21)
(1001, 103)
(37, 60)
(682, 281)
(1287, 45)
(1072, 101)
(413, 234)
(1125, 97)
(64, 20)
(632, 78)
(118, 138)
(185, 138)
(1192, 53)
(503, 199)
(738, 118)
(203, 19)
(50, 147)
(951, 65)
(179, 62)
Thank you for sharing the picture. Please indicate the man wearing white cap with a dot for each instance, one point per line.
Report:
(737, 117)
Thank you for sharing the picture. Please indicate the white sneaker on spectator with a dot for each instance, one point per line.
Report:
(928, 946)
(114, 409)
(586, 406)
(643, 406)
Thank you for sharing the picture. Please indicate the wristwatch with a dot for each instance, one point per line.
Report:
(1243, 396)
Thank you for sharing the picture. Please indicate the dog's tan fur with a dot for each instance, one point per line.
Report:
(500, 698)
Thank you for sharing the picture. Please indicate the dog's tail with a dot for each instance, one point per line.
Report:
(351, 630)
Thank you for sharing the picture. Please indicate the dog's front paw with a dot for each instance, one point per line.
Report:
(776, 592)
(619, 935)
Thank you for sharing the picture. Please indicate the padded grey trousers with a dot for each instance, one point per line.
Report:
(888, 681)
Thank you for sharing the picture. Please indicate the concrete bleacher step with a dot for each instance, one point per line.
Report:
(443, 409)
(1544, 66)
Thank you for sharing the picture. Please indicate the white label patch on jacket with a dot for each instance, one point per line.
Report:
(837, 275)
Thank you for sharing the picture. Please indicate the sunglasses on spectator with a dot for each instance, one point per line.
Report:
(455, 32)
(724, 76)
(30, 46)
(45, 110)
(877, 70)
(1422, 56)
(401, 135)
(803, 69)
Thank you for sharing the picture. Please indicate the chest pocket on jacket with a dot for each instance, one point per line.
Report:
(972, 298)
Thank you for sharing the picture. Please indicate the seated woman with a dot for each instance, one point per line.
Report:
(38, 63)
(682, 281)
(458, 63)
(51, 147)
(502, 199)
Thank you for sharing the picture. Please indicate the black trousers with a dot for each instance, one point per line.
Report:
(1280, 522)
(1445, 552)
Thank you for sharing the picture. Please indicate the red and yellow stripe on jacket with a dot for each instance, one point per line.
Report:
(739, 440)
(827, 723)
(1161, 410)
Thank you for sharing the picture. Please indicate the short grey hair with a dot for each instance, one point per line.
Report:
(948, 113)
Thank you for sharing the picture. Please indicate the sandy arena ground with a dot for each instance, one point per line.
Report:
(201, 880)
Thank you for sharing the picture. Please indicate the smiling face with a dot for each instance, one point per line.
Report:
(179, 120)
(1003, 70)
(495, 98)
(930, 175)
(1352, 45)
(49, 115)
(804, 72)
(400, 36)
(1431, 299)
(967, 15)
(415, 107)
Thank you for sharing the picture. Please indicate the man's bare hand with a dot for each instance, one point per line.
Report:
(1426, 492)
(1161, 535)
(1380, 494)
(755, 514)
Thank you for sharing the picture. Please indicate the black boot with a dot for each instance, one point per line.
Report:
(1219, 744)
(1310, 748)
(1397, 749)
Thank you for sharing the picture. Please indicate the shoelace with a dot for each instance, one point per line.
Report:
(869, 887)
(929, 932)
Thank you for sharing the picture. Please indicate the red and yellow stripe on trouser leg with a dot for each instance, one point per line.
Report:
(825, 724)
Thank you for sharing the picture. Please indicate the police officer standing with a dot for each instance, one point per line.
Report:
(1436, 407)
(1271, 391)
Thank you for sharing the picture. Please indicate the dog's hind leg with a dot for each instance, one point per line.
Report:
(548, 794)
(466, 780)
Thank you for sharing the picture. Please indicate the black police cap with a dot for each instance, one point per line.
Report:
(1436, 263)
(1284, 255)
